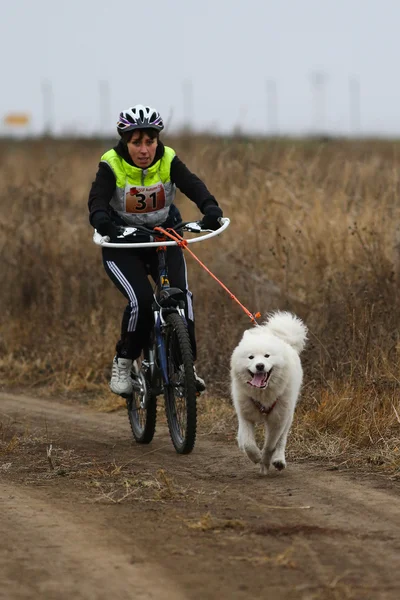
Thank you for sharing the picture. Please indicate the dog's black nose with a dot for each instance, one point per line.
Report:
(260, 366)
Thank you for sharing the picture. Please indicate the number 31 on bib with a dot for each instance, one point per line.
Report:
(145, 199)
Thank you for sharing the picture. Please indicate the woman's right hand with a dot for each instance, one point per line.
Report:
(103, 224)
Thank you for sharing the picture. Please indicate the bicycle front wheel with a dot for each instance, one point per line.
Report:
(180, 393)
(142, 404)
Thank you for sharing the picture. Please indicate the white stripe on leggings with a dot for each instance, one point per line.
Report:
(188, 294)
(131, 294)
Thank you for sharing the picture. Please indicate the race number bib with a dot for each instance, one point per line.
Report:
(144, 199)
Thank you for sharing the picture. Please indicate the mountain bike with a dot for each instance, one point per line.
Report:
(166, 364)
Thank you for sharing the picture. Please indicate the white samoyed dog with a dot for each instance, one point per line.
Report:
(266, 377)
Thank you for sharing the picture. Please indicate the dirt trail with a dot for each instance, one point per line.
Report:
(102, 517)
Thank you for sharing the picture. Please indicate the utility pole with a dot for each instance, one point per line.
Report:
(355, 106)
(318, 81)
(48, 107)
(104, 107)
(272, 107)
(187, 92)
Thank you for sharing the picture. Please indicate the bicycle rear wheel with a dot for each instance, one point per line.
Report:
(180, 394)
(142, 403)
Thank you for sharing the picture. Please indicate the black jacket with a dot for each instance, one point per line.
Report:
(103, 187)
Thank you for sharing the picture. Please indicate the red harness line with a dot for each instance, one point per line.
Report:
(182, 243)
(263, 409)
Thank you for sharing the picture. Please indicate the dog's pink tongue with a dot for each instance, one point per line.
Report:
(258, 379)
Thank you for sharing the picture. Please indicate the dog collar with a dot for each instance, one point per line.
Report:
(263, 409)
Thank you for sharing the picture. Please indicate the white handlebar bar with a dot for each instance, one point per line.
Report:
(194, 227)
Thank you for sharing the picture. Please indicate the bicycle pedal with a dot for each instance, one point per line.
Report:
(136, 386)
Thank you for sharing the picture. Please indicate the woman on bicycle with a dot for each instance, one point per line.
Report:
(135, 185)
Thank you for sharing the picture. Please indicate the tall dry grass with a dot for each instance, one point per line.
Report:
(315, 229)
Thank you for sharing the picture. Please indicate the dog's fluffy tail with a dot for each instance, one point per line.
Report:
(289, 328)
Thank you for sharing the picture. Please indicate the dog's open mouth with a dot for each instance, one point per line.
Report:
(259, 379)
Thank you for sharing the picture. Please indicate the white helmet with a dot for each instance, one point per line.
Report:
(139, 117)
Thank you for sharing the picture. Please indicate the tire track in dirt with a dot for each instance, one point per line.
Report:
(49, 553)
(305, 533)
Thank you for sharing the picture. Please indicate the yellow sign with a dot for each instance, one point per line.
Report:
(17, 119)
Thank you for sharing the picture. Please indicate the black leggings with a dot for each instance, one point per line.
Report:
(129, 270)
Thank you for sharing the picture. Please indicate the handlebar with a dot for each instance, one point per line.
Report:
(130, 232)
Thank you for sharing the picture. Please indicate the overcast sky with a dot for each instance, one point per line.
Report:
(255, 64)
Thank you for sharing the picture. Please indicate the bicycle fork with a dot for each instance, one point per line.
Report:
(170, 300)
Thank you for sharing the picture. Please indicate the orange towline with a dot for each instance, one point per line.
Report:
(182, 243)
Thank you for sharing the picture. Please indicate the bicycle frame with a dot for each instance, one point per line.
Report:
(163, 295)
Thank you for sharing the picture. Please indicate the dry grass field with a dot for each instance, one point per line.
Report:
(315, 229)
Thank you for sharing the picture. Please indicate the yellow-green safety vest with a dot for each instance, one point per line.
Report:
(142, 196)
